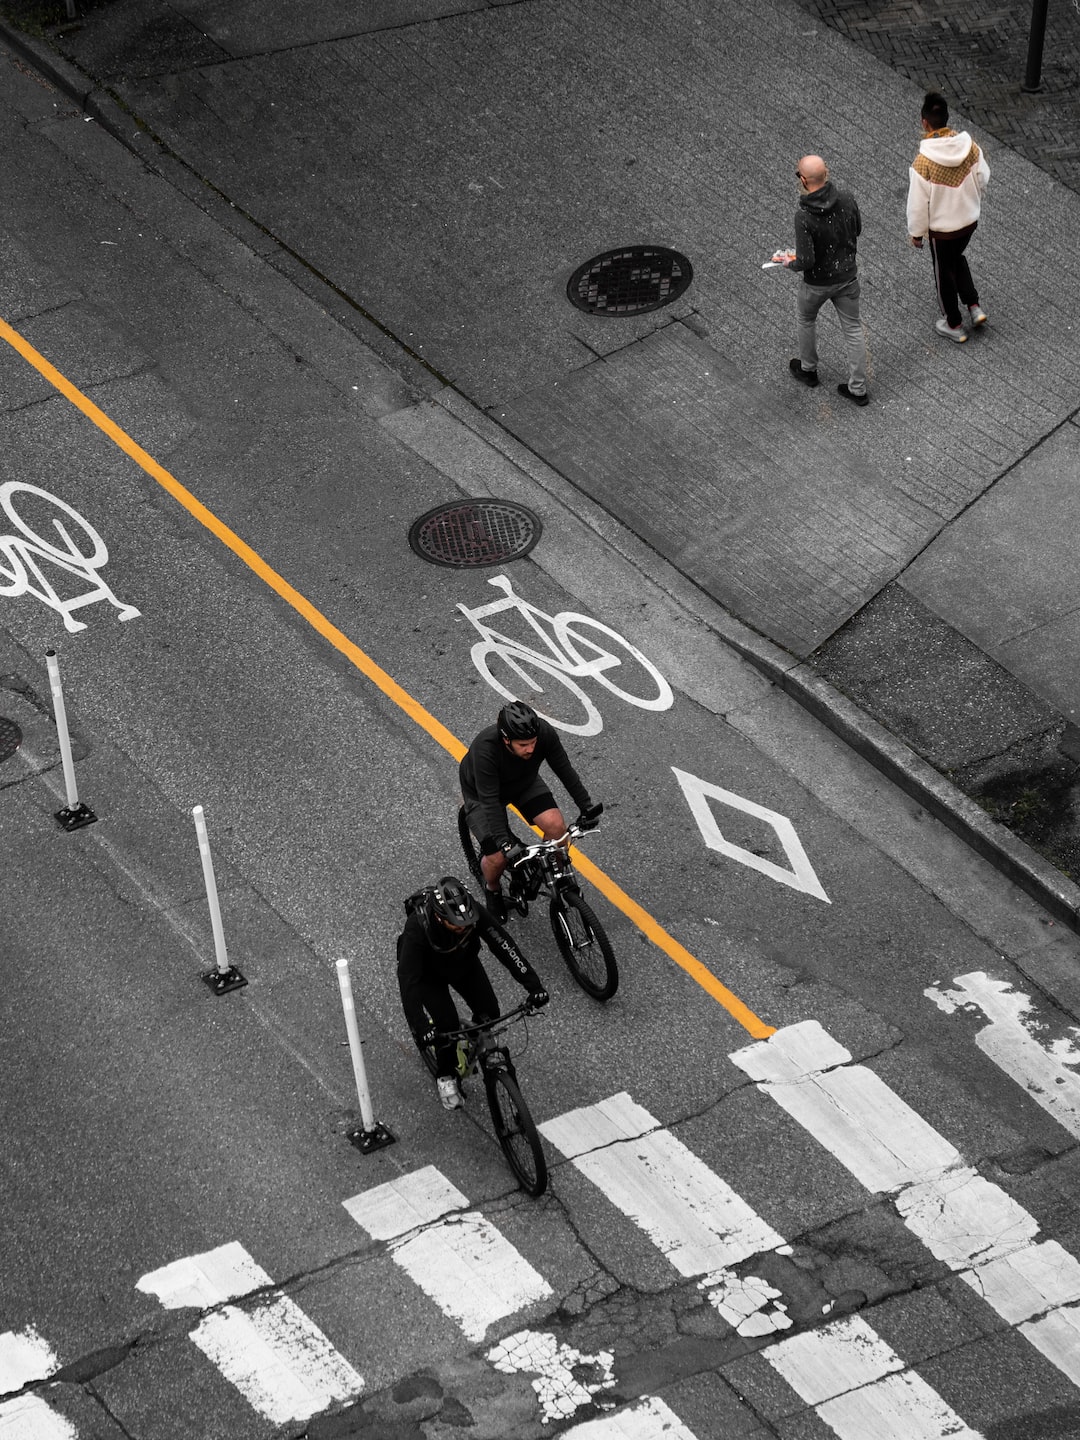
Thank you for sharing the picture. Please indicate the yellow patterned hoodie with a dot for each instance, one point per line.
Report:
(946, 183)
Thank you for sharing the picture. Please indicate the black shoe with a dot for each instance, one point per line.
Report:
(863, 399)
(496, 903)
(808, 377)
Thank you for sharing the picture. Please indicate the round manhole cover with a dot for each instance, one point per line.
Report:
(469, 534)
(630, 281)
(10, 738)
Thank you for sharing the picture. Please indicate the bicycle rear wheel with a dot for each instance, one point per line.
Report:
(470, 847)
(516, 1132)
(584, 945)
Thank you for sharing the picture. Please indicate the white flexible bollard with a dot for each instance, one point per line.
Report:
(371, 1135)
(74, 815)
(223, 977)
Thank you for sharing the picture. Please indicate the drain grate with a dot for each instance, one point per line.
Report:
(630, 281)
(10, 738)
(469, 534)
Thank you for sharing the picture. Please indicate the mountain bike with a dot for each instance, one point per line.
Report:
(546, 868)
(479, 1053)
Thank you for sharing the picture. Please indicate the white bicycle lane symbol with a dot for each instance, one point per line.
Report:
(21, 572)
(570, 652)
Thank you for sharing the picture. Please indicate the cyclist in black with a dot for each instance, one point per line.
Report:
(501, 768)
(439, 949)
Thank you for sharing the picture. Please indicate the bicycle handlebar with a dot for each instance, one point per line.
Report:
(574, 831)
(496, 1026)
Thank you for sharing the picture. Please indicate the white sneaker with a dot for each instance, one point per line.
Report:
(449, 1093)
(943, 327)
(977, 314)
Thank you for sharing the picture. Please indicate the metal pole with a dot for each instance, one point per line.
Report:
(211, 890)
(62, 730)
(74, 815)
(356, 1048)
(1036, 36)
(372, 1134)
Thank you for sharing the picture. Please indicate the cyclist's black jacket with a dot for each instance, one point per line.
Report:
(421, 964)
(492, 774)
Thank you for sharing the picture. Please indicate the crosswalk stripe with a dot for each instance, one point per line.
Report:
(455, 1255)
(24, 1358)
(972, 1225)
(858, 1385)
(1048, 1074)
(844, 1369)
(649, 1419)
(28, 1418)
(277, 1357)
(693, 1216)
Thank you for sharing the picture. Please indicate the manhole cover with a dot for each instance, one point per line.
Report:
(469, 534)
(10, 738)
(630, 281)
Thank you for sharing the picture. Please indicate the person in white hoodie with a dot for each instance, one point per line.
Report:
(947, 180)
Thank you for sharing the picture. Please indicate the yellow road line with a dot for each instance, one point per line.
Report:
(375, 673)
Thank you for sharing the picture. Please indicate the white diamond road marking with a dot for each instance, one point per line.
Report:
(1048, 1073)
(801, 876)
(846, 1371)
(459, 1260)
(278, 1359)
(975, 1227)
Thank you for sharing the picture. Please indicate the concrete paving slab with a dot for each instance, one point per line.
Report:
(1007, 574)
(792, 536)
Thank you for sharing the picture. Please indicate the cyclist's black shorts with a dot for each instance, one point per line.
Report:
(532, 801)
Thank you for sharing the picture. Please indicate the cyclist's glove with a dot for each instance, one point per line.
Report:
(429, 1036)
(512, 850)
(538, 999)
(590, 816)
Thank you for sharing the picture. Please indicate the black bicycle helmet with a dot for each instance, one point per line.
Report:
(450, 903)
(518, 721)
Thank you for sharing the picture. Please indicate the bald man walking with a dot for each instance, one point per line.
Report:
(827, 228)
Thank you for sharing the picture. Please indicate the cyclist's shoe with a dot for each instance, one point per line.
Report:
(449, 1093)
(495, 901)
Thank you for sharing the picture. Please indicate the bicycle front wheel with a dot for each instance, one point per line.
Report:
(470, 847)
(516, 1132)
(584, 945)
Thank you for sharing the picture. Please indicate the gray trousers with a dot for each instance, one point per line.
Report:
(845, 299)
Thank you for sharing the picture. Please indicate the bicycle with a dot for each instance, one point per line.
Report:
(546, 868)
(479, 1054)
(568, 653)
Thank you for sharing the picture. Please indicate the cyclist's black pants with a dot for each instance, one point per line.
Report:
(470, 981)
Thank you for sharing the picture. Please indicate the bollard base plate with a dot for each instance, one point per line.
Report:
(74, 817)
(377, 1138)
(222, 981)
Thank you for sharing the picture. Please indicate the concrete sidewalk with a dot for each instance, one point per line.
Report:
(447, 165)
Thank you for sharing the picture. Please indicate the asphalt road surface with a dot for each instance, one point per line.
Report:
(813, 1167)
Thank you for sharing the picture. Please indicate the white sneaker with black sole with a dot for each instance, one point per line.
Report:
(957, 333)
